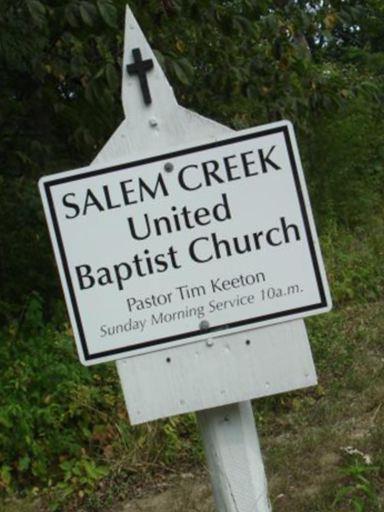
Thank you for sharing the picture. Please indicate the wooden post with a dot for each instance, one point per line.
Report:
(234, 458)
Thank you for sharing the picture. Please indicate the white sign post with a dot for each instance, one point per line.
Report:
(207, 240)
(179, 241)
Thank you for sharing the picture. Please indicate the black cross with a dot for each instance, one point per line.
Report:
(141, 67)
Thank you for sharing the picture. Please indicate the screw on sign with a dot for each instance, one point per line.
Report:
(199, 289)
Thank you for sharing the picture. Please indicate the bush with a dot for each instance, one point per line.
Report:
(62, 425)
(51, 406)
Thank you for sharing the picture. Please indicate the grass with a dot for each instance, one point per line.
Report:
(65, 441)
(324, 447)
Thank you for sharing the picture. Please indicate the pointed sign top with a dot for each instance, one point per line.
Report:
(154, 121)
(145, 86)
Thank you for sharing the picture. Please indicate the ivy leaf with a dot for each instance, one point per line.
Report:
(37, 11)
(71, 16)
(160, 58)
(5, 421)
(88, 13)
(24, 463)
(180, 73)
(108, 12)
(111, 75)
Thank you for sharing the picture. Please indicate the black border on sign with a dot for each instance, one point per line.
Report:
(58, 181)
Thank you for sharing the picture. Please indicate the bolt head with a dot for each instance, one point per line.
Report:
(168, 167)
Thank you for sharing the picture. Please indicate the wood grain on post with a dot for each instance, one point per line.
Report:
(234, 458)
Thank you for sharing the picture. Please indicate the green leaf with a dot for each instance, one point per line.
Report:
(111, 75)
(5, 422)
(108, 12)
(160, 57)
(180, 73)
(5, 475)
(37, 11)
(24, 463)
(88, 13)
(71, 16)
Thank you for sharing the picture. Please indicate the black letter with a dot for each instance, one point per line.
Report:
(71, 205)
(119, 277)
(108, 201)
(133, 229)
(181, 178)
(192, 250)
(172, 254)
(105, 277)
(82, 276)
(247, 163)
(152, 193)
(217, 243)
(285, 229)
(225, 207)
(229, 167)
(126, 192)
(211, 173)
(268, 236)
(93, 202)
(265, 159)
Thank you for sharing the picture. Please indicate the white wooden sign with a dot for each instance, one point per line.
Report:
(152, 227)
(200, 241)
(176, 377)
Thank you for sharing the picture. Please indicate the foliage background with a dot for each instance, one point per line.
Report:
(242, 62)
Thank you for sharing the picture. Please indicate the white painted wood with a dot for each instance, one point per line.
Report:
(234, 458)
(127, 306)
(198, 375)
(157, 127)
(206, 374)
(212, 373)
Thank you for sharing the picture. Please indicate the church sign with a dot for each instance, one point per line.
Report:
(195, 243)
